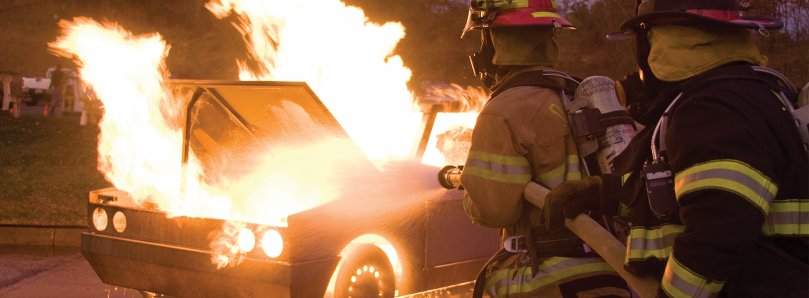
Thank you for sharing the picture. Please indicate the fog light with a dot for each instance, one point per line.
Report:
(119, 222)
(247, 241)
(100, 219)
(273, 243)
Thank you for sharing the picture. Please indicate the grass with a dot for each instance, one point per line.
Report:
(47, 168)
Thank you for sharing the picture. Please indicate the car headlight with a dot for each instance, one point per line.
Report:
(119, 222)
(272, 243)
(100, 219)
(247, 241)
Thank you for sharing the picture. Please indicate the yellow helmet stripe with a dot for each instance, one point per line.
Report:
(545, 14)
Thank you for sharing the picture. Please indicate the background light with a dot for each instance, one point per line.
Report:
(247, 241)
(273, 243)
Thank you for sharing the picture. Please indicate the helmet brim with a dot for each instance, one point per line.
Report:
(678, 17)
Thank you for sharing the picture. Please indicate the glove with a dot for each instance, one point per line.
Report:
(570, 199)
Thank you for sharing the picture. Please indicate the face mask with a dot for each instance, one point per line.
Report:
(482, 64)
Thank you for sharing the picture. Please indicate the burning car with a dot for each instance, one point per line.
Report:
(372, 239)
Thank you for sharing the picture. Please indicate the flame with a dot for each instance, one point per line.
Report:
(344, 58)
(454, 98)
(464, 103)
(332, 47)
(139, 148)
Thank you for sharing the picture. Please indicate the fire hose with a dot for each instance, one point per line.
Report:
(599, 239)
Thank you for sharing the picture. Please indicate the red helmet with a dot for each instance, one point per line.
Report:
(493, 13)
(707, 12)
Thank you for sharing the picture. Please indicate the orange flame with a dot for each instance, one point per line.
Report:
(128, 74)
(344, 58)
(454, 98)
(332, 47)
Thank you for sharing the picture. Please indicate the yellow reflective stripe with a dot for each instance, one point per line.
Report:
(679, 281)
(625, 177)
(466, 208)
(570, 170)
(786, 230)
(623, 210)
(547, 177)
(502, 4)
(556, 110)
(514, 4)
(644, 243)
(492, 175)
(731, 176)
(497, 158)
(573, 176)
(522, 279)
(501, 168)
(787, 218)
(545, 14)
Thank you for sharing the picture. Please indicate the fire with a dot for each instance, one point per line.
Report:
(344, 58)
(332, 47)
(136, 139)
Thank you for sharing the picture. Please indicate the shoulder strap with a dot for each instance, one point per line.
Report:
(538, 78)
(733, 72)
(780, 82)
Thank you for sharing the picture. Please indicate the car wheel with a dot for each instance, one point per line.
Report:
(365, 273)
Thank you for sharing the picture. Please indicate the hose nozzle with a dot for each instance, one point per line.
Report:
(450, 177)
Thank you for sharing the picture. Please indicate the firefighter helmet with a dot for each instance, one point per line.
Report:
(708, 12)
(492, 13)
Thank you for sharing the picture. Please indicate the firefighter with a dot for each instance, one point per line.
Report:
(522, 135)
(720, 206)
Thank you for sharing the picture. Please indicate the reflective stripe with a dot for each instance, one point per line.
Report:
(502, 4)
(787, 218)
(508, 169)
(625, 177)
(505, 169)
(644, 243)
(521, 280)
(731, 176)
(679, 281)
(501, 159)
(571, 170)
(545, 14)
(466, 200)
(556, 110)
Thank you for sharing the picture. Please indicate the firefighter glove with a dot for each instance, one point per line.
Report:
(570, 199)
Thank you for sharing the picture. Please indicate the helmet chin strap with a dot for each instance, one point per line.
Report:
(482, 64)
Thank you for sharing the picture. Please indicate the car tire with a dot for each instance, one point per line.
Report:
(365, 273)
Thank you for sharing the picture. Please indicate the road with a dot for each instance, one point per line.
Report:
(51, 272)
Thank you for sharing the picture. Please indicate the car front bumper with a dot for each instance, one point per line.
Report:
(187, 272)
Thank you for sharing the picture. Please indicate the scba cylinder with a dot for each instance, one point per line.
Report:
(600, 94)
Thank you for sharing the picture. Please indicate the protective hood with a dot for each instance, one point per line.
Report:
(528, 45)
(680, 52)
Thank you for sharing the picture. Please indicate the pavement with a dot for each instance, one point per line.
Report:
(47, 271)
(46, 262)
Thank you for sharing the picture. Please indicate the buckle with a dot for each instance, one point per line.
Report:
(514, 245)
